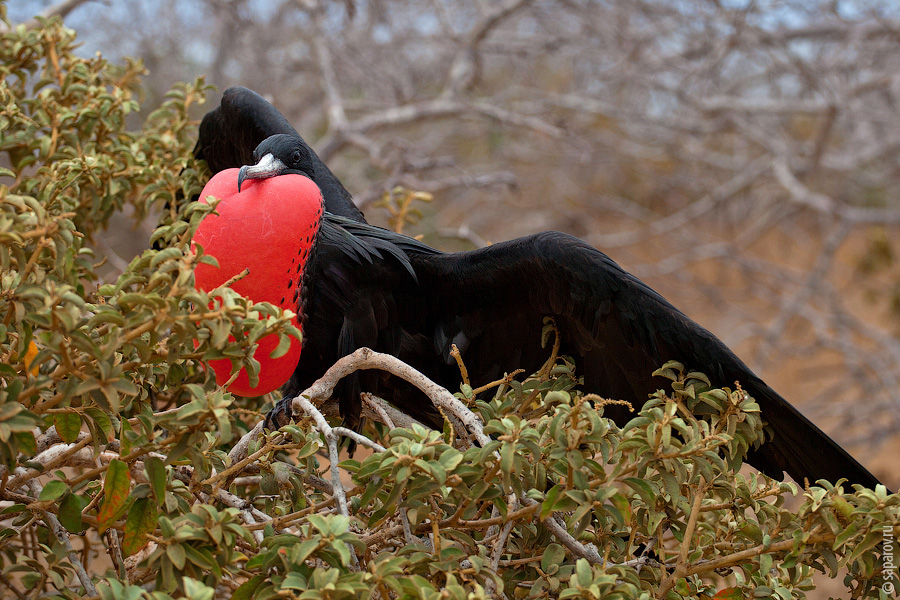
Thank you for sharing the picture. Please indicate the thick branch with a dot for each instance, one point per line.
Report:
(364, 359)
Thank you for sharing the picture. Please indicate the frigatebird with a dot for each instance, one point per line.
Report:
(363, 286)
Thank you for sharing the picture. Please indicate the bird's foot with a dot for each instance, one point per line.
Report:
(280, 415)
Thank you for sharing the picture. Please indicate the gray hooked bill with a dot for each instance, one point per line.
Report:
(268, 166)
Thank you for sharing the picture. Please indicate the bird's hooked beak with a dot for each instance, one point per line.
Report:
(268, 166)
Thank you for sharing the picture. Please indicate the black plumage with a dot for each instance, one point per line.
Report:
(368, 287)
(230, 134)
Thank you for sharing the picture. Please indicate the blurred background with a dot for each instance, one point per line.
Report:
(742, 157)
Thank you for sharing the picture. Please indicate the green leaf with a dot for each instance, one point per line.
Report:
(247, 589)
(550, 501)
(27, 443)
(874, 537)
(765, 564)
(15, 508)
(53, 490)
(201, 558)
(102, 422)
(164, 255)
(284, 344)
(115, 494)
(845, 535)
(196, 590)
(303, 550)
(8, 370)
(156, 473)
(142, 518)
(295, 581)
(554, 555)
(583, 572)
(68, 426)
(70, 512)
(176, 554)
(643, 488)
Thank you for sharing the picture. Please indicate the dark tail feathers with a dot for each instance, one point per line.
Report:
(800, 448)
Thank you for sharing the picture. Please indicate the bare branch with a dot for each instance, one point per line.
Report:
(337, 118)
(62, 9)
(580, 550)
(364, 359)
(63, 537)
(465, 70)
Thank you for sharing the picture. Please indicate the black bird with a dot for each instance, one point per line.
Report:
(364, 286)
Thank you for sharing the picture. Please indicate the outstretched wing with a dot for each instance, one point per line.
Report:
(230, 132)
(491, 303)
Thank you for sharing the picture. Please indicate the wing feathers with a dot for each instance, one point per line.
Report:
(618, 329)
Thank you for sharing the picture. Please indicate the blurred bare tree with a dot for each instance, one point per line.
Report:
(740, 156)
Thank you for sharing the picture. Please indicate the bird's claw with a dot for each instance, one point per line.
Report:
(279, 416)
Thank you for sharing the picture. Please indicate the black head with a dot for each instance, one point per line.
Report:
(277, 155)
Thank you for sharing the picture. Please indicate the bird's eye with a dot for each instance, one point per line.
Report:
(296, 157)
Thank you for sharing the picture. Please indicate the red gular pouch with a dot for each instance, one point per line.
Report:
(269, 228)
